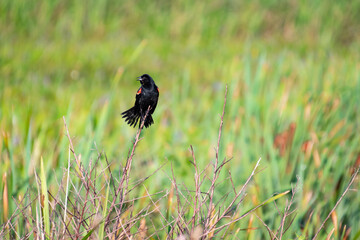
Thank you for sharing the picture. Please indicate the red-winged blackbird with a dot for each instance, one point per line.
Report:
(146, 96)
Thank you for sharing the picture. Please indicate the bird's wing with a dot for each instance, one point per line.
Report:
(139, 91)
(138, 99)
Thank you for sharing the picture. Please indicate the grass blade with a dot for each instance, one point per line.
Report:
(45, 197)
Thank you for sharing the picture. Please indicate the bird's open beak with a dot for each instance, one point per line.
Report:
(139, 79)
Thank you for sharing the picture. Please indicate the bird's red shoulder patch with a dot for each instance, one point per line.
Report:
(139, 91)
(158, 89)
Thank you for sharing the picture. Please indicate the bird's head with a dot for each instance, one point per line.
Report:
(145, 80)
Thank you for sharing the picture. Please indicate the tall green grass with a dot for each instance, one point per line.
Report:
(284, 62)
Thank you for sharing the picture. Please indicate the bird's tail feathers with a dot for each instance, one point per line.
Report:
(131, 116)
(148, 121)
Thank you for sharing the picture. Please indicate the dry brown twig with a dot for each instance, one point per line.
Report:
(353, 177)
(287, 211)
(233, 201)
(130, 158)
(89, 184)
(214, 214)
(216, 170)
(126, 172)
(271, 233)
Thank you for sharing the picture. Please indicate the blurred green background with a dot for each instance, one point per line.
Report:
(285, 62)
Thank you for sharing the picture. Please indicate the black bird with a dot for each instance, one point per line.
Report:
(146, 96)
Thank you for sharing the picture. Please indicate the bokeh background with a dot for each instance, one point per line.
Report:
(292, 71)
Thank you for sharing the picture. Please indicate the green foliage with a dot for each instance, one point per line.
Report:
(284, 62)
